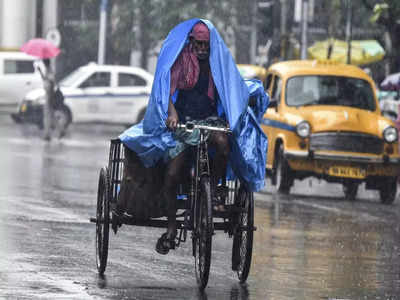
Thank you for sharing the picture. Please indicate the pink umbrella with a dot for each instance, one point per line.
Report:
(40, 48)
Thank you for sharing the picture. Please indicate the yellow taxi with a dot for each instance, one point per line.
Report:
(324, 121)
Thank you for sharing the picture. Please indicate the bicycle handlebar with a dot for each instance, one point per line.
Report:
(190, 126)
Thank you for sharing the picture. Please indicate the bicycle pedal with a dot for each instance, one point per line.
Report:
(222, 190)
(221, 214)
(115, 224)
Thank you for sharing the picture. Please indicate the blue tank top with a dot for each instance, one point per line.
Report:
(194, 104)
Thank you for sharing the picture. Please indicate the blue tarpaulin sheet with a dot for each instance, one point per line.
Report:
(151, 138)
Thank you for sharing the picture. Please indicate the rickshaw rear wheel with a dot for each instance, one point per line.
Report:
(242, 246)
(203, 234)
(102, 220)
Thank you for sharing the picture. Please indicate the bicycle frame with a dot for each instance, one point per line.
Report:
(202, 164)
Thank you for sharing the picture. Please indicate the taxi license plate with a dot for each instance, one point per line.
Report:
(349, 172)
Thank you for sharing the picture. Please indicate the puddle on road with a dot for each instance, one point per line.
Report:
(299, 254)
(24, 280)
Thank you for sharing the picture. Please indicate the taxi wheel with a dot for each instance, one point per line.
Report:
(282, 173)
(350, 190)
(388, 191)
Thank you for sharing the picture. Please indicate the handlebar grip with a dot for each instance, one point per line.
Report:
(190, 126)
(186, 126)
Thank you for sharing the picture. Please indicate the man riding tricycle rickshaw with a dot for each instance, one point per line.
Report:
(195, 160)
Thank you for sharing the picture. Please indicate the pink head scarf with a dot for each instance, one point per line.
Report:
(200, 32)
(186, 69)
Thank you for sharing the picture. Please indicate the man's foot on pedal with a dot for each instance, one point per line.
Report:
(218, 204)
(221, 193)
(118, 217)
(122, 214)
(115, 220)
(126, 215)
(219, 207)
(117, 212)
(165, 243)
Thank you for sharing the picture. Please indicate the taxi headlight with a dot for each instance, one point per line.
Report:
(303, 129)
(390, 134)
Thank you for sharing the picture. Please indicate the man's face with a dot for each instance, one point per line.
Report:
(201, 48)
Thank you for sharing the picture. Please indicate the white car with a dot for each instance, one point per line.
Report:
(95, 93)
(17, 77)
(389, 102)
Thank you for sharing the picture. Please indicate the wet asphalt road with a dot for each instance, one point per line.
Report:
(311, 244)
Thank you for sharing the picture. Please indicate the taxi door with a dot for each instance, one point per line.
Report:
(95, 97)
(272, 121)
(130, 98)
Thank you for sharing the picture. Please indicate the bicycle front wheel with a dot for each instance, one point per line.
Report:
(203, 231)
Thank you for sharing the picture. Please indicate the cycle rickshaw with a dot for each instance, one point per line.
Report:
(195, 213)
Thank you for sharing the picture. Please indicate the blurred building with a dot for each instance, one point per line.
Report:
(272, 27)
(21, 20)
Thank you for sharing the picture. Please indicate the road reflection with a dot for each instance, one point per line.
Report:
(311, 244)
(321, 254)
(236, 292)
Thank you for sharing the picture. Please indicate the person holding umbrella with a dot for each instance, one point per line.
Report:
(45, 50)
(48, 78)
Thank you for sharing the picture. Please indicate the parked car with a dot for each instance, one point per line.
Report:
(324, 120)
(389, 103)
(95, 93)
(17, 77)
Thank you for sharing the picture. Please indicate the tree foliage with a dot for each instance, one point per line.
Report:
(79, 32)
(136, 25)
(139, 26)
(386, 13)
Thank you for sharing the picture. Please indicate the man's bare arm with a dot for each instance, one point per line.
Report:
(172, 120)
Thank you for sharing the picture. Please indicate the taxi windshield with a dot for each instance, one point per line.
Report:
(330, 90)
